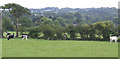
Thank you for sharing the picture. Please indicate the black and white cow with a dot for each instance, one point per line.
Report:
(11, 36)
(24, 36)
(115, 38)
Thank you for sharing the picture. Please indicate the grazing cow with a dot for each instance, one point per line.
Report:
(114, 38)
(11, 36)
(24, 36)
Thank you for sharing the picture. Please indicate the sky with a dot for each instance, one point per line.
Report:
(63, 3)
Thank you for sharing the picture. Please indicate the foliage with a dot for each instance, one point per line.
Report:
(80, 24)
(104, 28)
(96, 31)
(24, 24)
(71, 30)
(87, 15)
(7, 25)
(16, 11)
(34, 32)
(59, 31)
(47, 31)
(25, 21)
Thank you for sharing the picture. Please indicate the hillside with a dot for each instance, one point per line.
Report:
(90, 15)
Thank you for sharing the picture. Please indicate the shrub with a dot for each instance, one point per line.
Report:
(34, 32)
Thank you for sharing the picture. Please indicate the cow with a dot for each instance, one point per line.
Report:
(24, 36)
(115, 38)
(11, 36)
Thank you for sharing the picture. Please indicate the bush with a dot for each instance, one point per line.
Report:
(47, 30)
(71, 30)
(59, 30)
(34, 32)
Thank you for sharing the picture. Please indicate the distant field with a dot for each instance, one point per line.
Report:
(58, 48)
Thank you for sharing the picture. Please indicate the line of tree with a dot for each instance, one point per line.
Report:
(96, 31)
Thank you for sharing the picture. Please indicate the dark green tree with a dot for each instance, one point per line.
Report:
(104, 29)
(47, 30)
(25, 24)
(59, 31)
(72, 30)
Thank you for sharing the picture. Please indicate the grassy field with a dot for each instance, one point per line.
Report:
(58, 48)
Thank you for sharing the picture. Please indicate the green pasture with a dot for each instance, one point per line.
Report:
(57, 48)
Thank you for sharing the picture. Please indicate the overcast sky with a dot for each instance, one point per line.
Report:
(63, 3)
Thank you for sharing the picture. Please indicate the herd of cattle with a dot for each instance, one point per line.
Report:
(112, 38)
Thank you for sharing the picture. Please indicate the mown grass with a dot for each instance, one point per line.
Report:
(57, 48)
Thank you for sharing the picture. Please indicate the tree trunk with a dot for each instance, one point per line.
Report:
(16, 25)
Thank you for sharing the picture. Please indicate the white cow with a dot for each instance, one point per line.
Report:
(114, 38)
